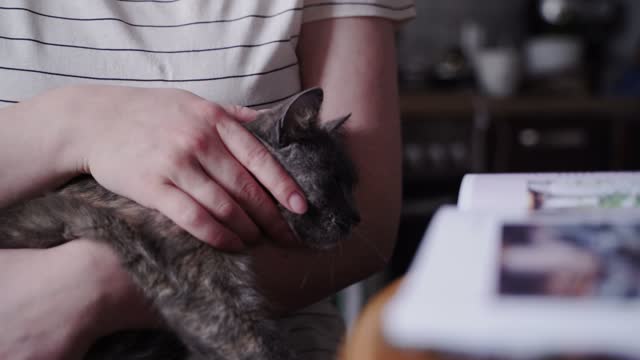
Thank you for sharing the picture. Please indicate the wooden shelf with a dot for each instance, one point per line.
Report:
(420, 105)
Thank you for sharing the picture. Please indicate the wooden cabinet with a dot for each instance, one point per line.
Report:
(517, 135)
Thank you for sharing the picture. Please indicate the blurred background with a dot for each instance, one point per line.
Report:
(510, 86)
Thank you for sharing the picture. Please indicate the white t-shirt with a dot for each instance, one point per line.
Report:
(238, 52)
(229, 51)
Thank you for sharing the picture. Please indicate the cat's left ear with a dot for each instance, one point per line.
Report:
(336, 124)
(299, 114)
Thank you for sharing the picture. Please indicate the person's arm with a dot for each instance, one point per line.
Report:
(56, 302)
(353, 60)
(34, 147)
(166, 149)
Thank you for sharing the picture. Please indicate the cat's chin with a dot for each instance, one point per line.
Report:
(323, 246)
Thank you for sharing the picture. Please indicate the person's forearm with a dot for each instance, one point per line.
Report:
(56, 302)
(35, 142)
(353, 60)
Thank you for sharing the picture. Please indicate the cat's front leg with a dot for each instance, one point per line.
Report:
(206, 297)
(260, 342)
(209, 302)
(42, 222)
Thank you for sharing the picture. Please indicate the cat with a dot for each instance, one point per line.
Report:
(207, 298)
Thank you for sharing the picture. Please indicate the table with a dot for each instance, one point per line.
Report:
(365, 341)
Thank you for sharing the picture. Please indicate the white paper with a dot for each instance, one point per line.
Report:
(454, 296)
(532, 191)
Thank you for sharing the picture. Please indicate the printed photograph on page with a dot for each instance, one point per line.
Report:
(578, 260)
(584, 193)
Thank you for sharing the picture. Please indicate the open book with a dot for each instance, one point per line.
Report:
(527, 265)
(522, 192)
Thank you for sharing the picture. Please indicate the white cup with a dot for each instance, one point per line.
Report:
(498, 71)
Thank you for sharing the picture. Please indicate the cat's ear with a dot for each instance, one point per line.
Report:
(336, 124)
(299, 113)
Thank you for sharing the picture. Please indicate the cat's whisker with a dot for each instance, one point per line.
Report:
(305, 278)
(358, 235)
(332, 270)
(308, 272)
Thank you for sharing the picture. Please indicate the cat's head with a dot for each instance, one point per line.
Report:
(315, 156)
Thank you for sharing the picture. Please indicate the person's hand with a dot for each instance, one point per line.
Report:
(187, 157)
(56, 302)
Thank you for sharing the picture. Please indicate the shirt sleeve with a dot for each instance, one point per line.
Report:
(395, 10)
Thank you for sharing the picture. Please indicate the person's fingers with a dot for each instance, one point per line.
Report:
(241, 113)
(256, 158)
(238, 182)
(194, 181)
(192, 217)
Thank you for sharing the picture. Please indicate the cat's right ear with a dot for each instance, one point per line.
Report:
(335, 125)
(299, 113)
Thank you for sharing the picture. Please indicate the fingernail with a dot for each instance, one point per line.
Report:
(297, 203)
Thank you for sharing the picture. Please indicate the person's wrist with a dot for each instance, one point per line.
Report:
(84, 263)
(54, 121)
(44, 290)
(70, 120)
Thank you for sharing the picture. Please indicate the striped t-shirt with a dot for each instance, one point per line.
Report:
(228, 51)
(235, 52)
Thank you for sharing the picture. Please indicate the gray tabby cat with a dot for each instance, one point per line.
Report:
(207, 298)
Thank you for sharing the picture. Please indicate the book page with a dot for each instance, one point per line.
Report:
(536, 191)
(546, 283)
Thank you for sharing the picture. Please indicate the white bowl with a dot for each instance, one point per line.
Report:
(549, 55)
